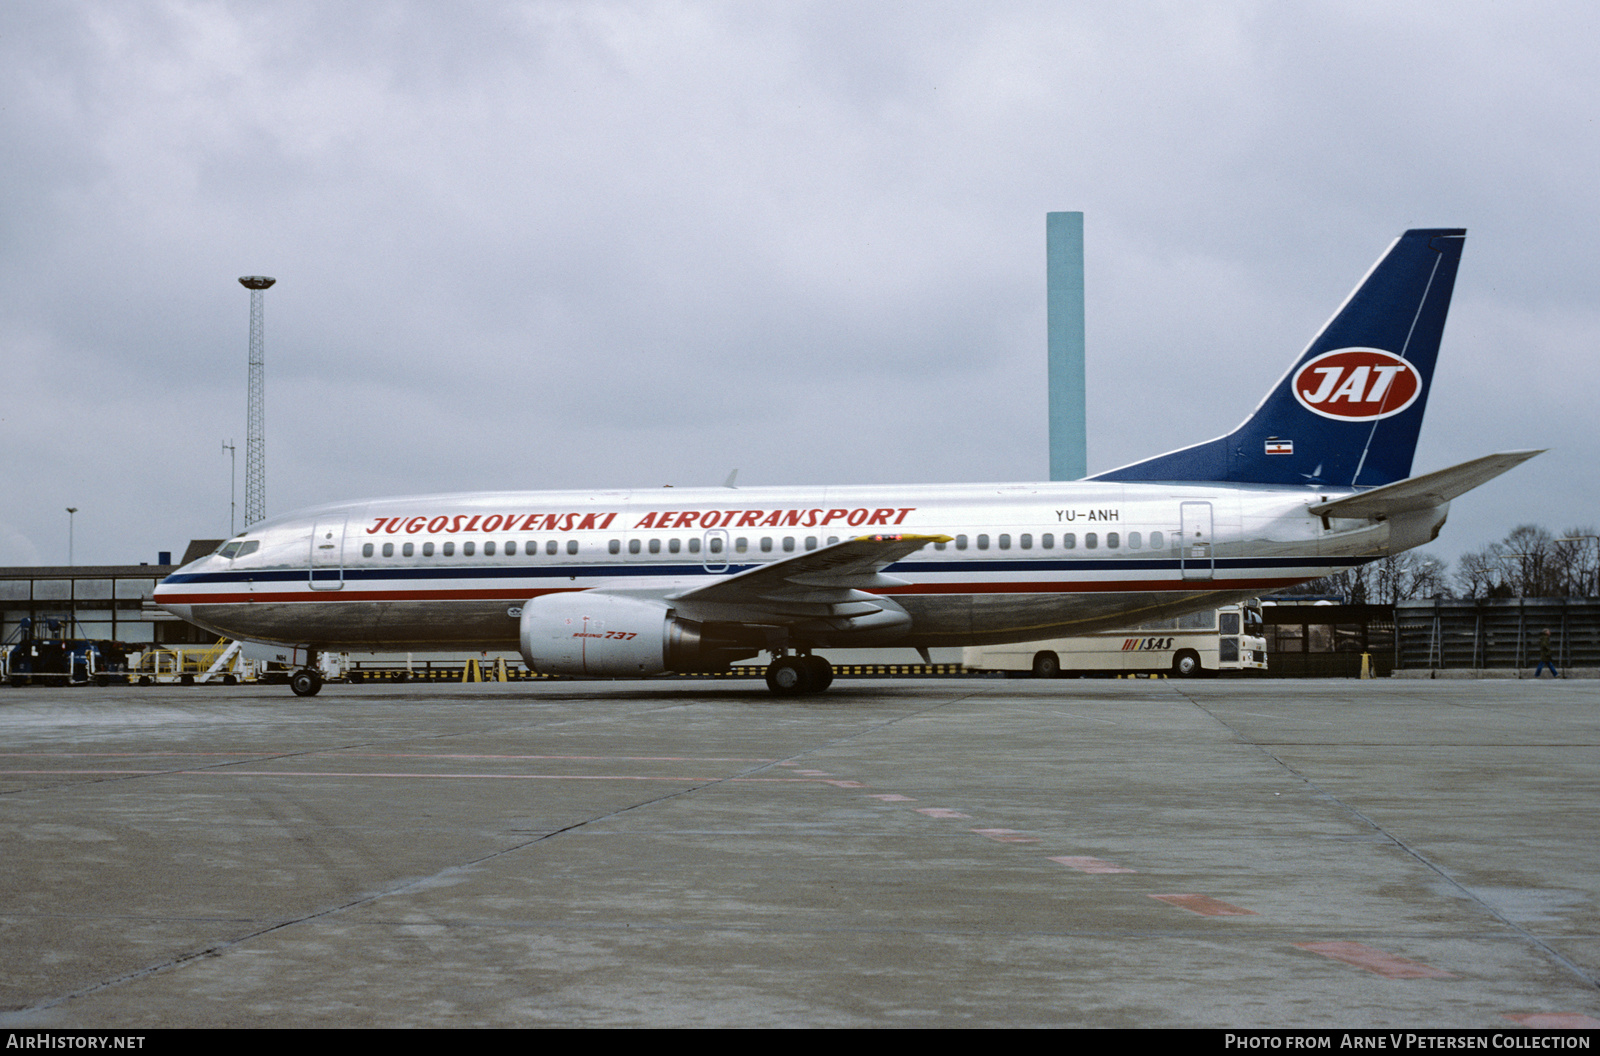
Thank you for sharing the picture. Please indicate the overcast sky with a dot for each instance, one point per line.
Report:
(553, 245)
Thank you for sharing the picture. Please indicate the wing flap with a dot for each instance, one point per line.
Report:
(816, 582)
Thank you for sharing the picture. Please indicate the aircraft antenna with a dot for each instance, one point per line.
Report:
(255, 449)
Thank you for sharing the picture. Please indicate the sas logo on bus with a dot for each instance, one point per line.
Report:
(1146, 645)
(1357, 384)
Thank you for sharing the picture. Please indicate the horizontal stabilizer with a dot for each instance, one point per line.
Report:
(1425, 492)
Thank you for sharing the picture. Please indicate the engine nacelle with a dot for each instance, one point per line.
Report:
(595, 633)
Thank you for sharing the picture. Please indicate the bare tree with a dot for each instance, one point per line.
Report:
(1393, 579)
(1405, 576)
(1479, 573)
(1578, 550)
(1533, 567)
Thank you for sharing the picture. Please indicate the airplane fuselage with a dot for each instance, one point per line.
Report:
(1023, 561)
(636, 583)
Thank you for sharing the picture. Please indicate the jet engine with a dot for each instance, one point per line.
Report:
(594, 633)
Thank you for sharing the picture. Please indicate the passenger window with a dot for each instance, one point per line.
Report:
(407, 550)
(614, 547)
(788, 544)
(1091, 540)
(488, 548)
(511, 548)
(388, 549)
(1135, 541)
(1155, 540)
(449, 549)
(655, 546)
(766, 544)
(741, 545)
(674, 545)
(468, 549)
(1047, 541)
(572, 546)
(832, 539)
(1025, 541)
(427, 549)
(1069, 540)
(716, 544)
(811, 543)
(366, 550)
(1113, 540)
(1005, 542)
(694, 546)
(633, 546)
(983, 542)
(961, 542)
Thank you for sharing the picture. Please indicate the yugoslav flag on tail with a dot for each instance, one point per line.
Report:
(1348, 412)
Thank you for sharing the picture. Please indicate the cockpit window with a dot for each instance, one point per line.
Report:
(239, 548)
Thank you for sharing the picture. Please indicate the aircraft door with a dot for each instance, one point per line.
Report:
(716, 550)
(1194, 553)
(327, 554)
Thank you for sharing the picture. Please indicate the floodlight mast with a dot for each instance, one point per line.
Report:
(255, 451)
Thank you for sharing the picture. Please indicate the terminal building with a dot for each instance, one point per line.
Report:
(108, 602)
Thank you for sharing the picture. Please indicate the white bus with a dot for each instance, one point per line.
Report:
(1225, 639)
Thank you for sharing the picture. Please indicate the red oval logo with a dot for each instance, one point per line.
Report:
(1357, 384)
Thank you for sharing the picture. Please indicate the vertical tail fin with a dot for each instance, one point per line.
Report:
(1348, 412)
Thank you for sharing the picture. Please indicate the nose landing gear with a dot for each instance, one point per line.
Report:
(306, 682)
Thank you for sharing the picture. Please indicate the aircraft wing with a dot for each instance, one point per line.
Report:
(833, 581)
(1426, 491)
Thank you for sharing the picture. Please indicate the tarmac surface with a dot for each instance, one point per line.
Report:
(919, 853)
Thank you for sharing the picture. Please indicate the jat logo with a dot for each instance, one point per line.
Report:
(1357, 384)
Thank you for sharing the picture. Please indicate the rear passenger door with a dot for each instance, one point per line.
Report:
(1194, 555)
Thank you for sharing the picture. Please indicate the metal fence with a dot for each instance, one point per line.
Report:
(1502, 633)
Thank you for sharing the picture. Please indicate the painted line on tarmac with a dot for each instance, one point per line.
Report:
(1205, 905)
(1007, 835)
(1085, 864)
(1376, 961)
(433, 777)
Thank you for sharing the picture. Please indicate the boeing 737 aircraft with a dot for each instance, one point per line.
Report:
(626, 584)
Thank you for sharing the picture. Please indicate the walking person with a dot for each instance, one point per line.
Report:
(1544, 656)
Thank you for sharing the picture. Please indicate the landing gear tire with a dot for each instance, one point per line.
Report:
(305, 682)
(790, 676)
(821, 673)
(1187, 665)
(1047, 665)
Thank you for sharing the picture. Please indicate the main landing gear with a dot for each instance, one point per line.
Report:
(793, 676)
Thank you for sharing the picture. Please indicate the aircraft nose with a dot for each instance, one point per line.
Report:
(162, 596)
